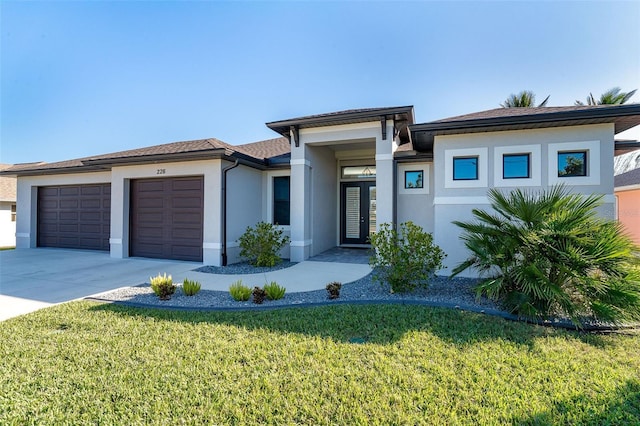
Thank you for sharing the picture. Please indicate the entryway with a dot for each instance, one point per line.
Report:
(358, 212)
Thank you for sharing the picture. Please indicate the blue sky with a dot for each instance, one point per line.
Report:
(82, 78)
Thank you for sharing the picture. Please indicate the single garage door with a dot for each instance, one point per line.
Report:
(166, 218)
(74, 216)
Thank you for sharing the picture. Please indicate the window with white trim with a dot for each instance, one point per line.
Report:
(466, 168)
(517, 166)
(574, 163)
(281, 200)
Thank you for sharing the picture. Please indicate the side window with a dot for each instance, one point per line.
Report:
(572, 163)
(516, 166)
(413, 179)
(281, 200)
(13, 212)
(465, 168)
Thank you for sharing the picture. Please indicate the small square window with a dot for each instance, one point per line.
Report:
(572, 163)
(413, 179)
(465, 168)
(516, 166)
(13, 212)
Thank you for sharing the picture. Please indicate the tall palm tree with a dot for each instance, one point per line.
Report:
(610, 97)
(524, 99)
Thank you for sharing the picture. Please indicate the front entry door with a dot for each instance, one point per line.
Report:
(358, 208)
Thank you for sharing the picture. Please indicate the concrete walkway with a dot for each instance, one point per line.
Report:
(31, 279)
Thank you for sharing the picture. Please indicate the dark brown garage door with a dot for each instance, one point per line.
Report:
(74, 216)
(166, 218)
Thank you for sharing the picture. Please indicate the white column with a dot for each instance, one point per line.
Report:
(384, 176)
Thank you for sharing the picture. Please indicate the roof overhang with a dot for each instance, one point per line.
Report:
(623, 117)
(402, 117)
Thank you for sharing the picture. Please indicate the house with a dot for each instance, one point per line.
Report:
(7, 209)
(328, 181)
(627, 192)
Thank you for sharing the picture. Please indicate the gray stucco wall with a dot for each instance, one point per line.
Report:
(244, 205)
(323, 198)
(416, 205)
(451, 203)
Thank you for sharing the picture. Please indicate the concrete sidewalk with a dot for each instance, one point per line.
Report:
(31, 279)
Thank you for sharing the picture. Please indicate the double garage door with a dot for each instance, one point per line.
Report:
(166, 217)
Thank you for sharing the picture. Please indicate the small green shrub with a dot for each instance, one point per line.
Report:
(274, 291)
(404, 259)
(334, 289)
(544, 253)
(190, 288)
(239, 291)
(162, 286)
(261, 245)
(258, 295)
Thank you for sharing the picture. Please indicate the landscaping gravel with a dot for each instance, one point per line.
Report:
(243, 268)
(442, 290)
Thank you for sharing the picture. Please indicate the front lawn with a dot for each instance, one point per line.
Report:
(83, 362)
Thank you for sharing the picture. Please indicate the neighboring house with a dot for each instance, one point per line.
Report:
(627, 191)
(329, 181)
(7, 209)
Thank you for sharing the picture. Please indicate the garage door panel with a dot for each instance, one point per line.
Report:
(69, 191)
(167, 218)
(76, 216)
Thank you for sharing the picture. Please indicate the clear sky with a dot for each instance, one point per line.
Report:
(90, 77)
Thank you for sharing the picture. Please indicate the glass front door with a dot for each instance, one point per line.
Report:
(358, 208)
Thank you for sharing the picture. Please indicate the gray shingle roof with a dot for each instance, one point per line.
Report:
(627, 179)
(7, 185)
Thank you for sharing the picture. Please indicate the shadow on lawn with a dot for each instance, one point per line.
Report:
(621, 407)
(373, 323)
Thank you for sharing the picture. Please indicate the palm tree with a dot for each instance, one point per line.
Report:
(610, 97)
(524, 99)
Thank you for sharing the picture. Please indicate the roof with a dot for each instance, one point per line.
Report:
(7, 185)
(401, 114)
(623, 117)
(626, 162)
(627, 179)
(258, 153)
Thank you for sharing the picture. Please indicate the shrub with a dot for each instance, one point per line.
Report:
(258, 295)
(162, 286)
(190, 288)
(404, 259)
(274, 291)
(261, 245)
(548, 253)
(334, 289)
(239, 291)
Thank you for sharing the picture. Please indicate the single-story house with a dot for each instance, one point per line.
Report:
(328, 180)
(7, 209)
(627, 192)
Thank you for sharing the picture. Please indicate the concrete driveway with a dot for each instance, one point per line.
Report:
(31, 279)
(34, 278)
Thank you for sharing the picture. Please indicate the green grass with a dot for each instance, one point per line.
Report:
(82, 362)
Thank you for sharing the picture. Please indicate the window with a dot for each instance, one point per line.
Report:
(359, 172)
(413, 179)
(13, 212)
(281, 200)
(465, 168)
(516, 166)
(572, 163)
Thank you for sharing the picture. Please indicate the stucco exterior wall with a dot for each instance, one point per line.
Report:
(414, 204)
(454, 201)
(27, 199)
(629, 212)
(244, 205)
(324, 199)
(7, 226)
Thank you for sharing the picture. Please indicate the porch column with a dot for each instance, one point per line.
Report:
(300, 204)
(384, 176)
